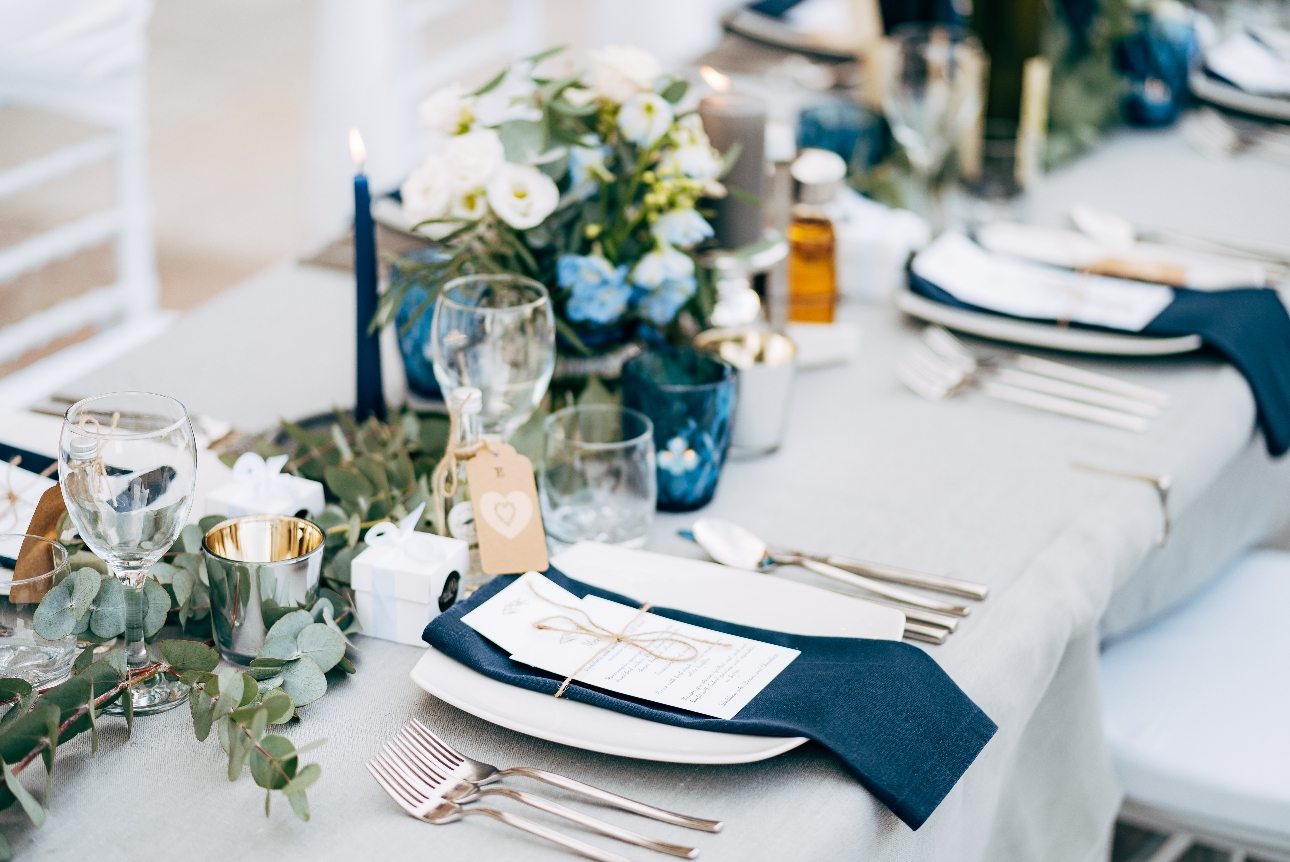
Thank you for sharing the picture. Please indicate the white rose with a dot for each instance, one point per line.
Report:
(427, 191)
(619, 72)
(473, 158)
(471, 205)
(522, 196)
(447, 109)
(644, 118)
(510, 100)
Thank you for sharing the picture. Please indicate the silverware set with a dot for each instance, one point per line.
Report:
(940, 366)
(929, 620)
(433, 782)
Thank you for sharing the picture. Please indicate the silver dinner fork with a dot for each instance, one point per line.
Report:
(438, 811)
(479, 773)
(403, 755)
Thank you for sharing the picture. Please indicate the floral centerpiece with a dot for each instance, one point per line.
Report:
(587, 182)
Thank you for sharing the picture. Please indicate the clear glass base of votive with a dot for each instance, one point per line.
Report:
(157, 694)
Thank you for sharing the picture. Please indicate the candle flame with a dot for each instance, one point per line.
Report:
(356, 148)
(715, 79)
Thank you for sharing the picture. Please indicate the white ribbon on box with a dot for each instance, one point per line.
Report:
(259, 487)
(399, 579)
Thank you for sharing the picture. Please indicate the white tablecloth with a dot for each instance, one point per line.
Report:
(973, 487)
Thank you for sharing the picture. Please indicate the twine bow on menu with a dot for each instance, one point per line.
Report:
(639, 640)
(12, 490)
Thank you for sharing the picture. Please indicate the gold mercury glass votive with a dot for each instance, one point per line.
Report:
(767, 363)
(260, 568)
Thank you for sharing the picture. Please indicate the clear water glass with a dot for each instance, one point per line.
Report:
(932, 96)
(23, 653)
(597, 479)
(496, 333)
(127, 465)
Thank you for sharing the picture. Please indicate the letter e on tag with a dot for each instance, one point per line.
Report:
(504, 497)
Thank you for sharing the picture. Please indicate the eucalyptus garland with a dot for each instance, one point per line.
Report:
(372, 472)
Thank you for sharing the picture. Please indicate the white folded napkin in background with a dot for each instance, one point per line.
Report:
(976, 276)
(1136, 260)
(873, 245)
(1251, 65)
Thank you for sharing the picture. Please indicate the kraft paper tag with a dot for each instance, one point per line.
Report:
(504, 497)
(37, 558)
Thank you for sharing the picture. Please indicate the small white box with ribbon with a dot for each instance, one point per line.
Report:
(259, 487)
(404, 579)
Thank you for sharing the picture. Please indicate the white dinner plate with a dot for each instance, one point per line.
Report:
(1227, 96)
(1045, 335)
(703, 588)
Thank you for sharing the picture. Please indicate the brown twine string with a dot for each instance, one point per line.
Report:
(443, 482)
(11, 497)
(99, 479)
(595, 630)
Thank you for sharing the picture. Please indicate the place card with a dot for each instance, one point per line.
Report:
(507, 518)
(659, 660)
(20, 491)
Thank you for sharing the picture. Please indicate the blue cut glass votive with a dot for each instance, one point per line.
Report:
(412, 322)
(854, 133)
(690, 398)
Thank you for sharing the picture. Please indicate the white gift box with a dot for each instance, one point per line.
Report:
(259, 488)
(404, 579)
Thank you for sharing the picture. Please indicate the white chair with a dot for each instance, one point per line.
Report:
(1196, 711)
(85, 59)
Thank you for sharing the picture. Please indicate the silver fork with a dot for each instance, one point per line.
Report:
(479, 773)
(404, 755)
(438, 811)
(935, 378)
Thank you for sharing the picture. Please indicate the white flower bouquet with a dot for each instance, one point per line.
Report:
(585, 182)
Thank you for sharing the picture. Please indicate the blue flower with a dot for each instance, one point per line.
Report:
(660, 265)
(682, 228)
(662, 303)
(586, 169)
(600, 292)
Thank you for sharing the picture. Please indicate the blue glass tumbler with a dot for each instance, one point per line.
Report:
(412, 322)
(690, 398)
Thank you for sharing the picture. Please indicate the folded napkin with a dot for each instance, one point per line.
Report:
(885, 708)
(1248, 326)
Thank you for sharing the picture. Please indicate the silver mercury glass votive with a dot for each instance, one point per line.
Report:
(767, 363)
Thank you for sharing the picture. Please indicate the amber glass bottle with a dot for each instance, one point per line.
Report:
(812, 276)
(812, 268)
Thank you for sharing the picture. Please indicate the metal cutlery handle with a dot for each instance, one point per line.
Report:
(926, 634)
(909, 578)
(1064, 407)
(881, 589)
(580, 847)
(1075, 392)
(923, 616)
(584, 820)
(615, 800)
(1070, 373)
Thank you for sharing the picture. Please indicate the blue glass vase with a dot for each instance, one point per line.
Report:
(690, 398)
(412, 321)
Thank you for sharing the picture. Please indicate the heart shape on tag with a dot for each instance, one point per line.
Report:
(509, 514)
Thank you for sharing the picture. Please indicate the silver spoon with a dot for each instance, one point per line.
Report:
(732, 545)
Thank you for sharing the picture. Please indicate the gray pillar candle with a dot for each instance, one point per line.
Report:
(731, 118)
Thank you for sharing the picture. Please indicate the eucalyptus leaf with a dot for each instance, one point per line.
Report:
(523, 140)
(108, 617)
(55, 617)
(231, 686)
(191, 538)
(289, 626)
(184, 655)
(28, 802)
(84, 589)
(156, 605)
(240, 749)
(299, 803)
(279, 768)
(347, 483)
(279, 648)
(163, 572)
(675, 91)
(19, 738)
(209, 522)
(250, 690)
(259, 720)
(279, 706)
(323, 644)
(183, 583)
(304, 681)
(202, 707)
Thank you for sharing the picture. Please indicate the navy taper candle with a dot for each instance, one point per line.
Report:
(369, 396)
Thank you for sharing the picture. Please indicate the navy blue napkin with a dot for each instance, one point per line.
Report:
(1249, 326)
(885, 708)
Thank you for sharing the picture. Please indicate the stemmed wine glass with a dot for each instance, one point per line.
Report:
(127, 465)
(496, 333)
(932, 96)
